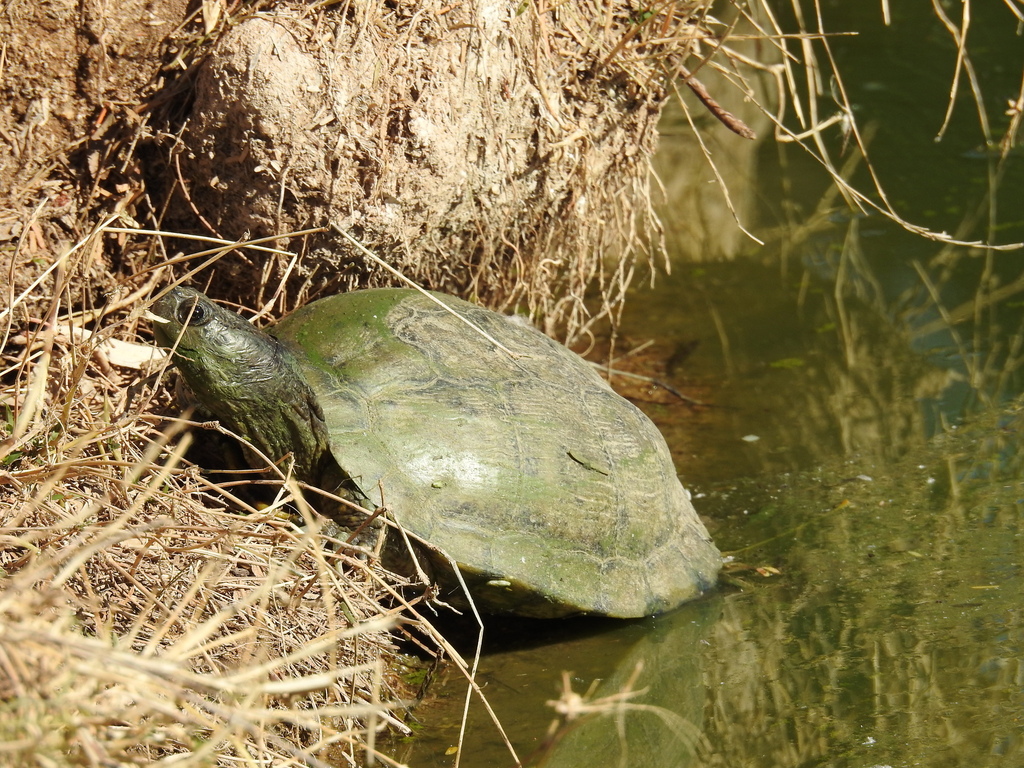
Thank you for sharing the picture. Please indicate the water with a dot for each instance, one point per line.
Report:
(859, 458)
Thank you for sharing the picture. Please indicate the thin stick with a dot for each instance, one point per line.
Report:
(656, 382)
(724, 116)
(254, 244)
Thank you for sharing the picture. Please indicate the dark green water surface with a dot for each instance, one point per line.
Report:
(860, 458)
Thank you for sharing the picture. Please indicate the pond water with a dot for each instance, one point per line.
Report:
(859, 457)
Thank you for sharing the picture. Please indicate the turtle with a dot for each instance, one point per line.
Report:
(497, 445)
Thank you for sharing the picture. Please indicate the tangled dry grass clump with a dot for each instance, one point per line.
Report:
(208, 636)
(146, 612)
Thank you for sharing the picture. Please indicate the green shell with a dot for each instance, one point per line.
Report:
(555, 495)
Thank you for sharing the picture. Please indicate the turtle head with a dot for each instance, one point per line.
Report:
(246, 378)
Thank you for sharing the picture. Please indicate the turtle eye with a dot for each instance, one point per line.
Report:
(193, 313)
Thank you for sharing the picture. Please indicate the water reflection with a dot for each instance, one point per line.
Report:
(844, 332)
(889, 632)
(631, 692)
(895, 632)
(808, 371)
(648, 711)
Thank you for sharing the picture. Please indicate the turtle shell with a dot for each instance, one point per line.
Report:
(554, 495)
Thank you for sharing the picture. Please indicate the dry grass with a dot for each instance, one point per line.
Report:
(205, 637)
(144, 613)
